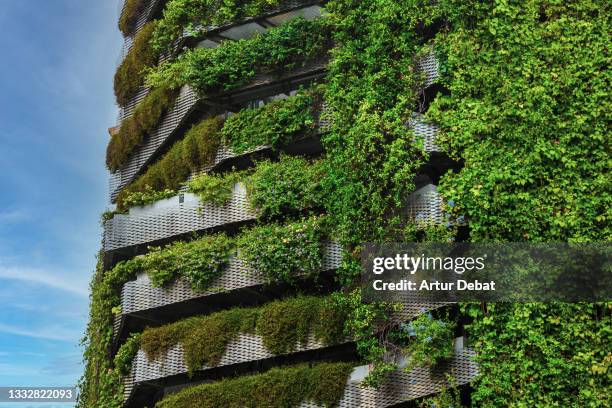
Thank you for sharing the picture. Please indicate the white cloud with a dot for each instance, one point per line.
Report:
(47, 333)
(44, 277)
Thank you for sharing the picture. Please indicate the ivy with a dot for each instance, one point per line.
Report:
(126, 354)
(284, 188)
(284, 252)
(282, 325)
(131, 72)
(527, 115)
(235, 63)
(321, 383)
(101, 383)
(429, 340)
(129, 15)
(142, 122)
(276, 124)
(180, 15)
(537, 354)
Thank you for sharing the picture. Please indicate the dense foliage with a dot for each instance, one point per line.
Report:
(321, 383)
(213, 188)
(282, 324)
(129, 15)
(186, 156)
(276, 124)
(544, 355)
(194, 15)
(235, 63)
(135, 128)
(286, 187)
(130, 74)
(101, 384)
(528, 112)
(284, 252)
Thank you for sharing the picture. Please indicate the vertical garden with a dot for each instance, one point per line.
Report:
(263, 142)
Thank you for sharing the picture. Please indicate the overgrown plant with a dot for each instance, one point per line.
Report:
(286, 187)
(194, 15)
(284, 252)
(235, 63)
(131, 73)
(283, 325)
(215, 189)
(132, 9)
(135, 128)
(186, 156)
(276, 124)
(321, 383)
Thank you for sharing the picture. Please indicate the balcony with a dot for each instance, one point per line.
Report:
(173, 217)
(399, 387)
(188, 107)
(143, 305)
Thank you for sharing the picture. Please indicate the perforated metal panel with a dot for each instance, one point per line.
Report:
(244, 348)
(127, 110)
(145, 16)
(425, 205)
(403, 386)
(184, 105)
(428, 65)
(424, 132)
(139, 295)
(169, 218)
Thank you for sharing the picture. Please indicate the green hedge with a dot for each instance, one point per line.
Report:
(129, 15)
(235, 63)
(188, 14)
(134, 129)
(287, 387)
(130, 74)
(283, 325)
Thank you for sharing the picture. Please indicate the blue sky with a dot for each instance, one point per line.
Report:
(56, 102)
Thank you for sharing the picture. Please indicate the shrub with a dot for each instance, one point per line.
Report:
(129, 15)
(187, 14)
(282, 324)
(131, 73)
(134, 129)
(276, 124)
(283, 252)
(235, 63)
(200, 261)
(430, 341)
(214, 189)
(321, 383)
(196, 150)
(283, 188)
(140, 198)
